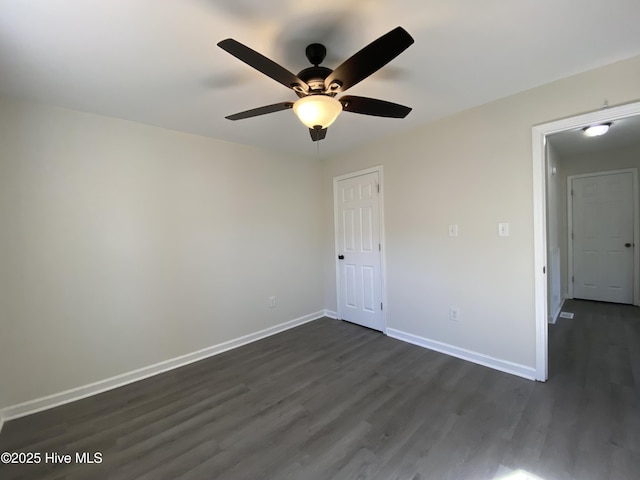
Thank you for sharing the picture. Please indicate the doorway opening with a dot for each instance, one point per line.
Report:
(548, 259)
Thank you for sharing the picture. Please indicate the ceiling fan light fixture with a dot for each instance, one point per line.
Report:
(596, 130)
(317, 85)
(317, 110)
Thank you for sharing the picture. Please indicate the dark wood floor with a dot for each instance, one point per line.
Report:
(330, 400)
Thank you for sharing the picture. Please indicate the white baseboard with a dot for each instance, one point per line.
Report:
(475, 357)
(554, 317)
(551, 319)
(57, 399)
(331, 314)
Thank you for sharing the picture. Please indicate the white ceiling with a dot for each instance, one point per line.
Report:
(623, 134)
(156, 61)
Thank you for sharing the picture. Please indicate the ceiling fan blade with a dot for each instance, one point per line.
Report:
(317, 134)
(262, 64)
(368, 60)
(276, 107)
(373, 106)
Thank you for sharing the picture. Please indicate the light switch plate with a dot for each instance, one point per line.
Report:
(503, 229)
(453, 230)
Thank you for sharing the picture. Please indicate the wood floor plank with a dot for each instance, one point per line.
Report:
(331, 400)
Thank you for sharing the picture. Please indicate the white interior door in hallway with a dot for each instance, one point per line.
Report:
(358, 245)
(603, 230)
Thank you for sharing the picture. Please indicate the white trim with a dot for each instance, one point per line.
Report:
(1, 422)
(636, 227)
(383, 257)
(554, 317)
(383, 253)
(540, 253)
(331, 314)
(569, 239)
(61, 398)
(538, 139)
(471, 356)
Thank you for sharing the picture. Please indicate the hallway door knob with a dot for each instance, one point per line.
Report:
(628, 245)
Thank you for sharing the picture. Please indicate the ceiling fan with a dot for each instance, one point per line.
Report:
(317, 86)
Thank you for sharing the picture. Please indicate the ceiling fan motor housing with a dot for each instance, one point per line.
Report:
(314, 77)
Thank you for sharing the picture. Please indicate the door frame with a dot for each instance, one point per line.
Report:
(636, 227)
(383, 259)
(538, 143)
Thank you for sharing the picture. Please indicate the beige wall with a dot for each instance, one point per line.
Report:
(579, 164)
(123, 245)
(473, 169)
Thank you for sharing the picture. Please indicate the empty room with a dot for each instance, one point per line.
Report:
(319, 240)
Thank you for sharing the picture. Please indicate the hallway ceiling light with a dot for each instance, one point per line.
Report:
(596, 130)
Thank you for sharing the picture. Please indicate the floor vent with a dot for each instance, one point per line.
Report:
(566, 315)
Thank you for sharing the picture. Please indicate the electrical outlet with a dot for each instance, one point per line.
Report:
(272, 302)
(454, 313)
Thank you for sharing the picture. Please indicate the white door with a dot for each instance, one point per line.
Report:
(359, 250)
(603, 237)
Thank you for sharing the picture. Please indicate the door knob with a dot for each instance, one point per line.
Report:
(628, 245)
(340, 257)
